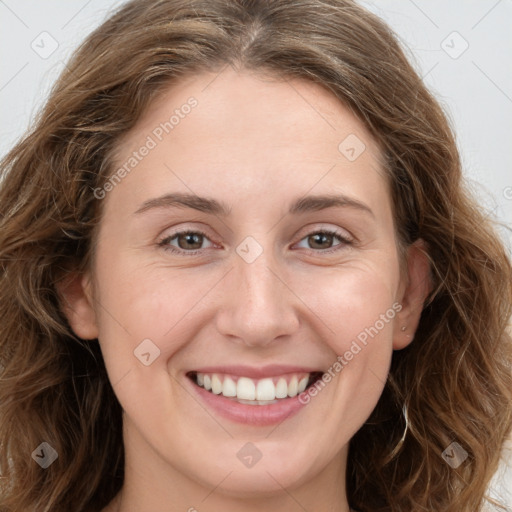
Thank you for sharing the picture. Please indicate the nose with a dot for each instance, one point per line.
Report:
(257, 305)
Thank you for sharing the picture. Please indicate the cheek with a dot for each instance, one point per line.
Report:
(357, 308)
(355, 302)
(140, 301)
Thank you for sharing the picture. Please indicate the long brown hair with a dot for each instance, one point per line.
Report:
(452, 384)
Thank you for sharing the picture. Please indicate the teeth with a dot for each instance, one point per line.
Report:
(302, 384)
(293, 386)
(216, 384)
(281, 388)
(265, 390)
(257, 402)
(245, 389)
(229, 388)
(248, 391)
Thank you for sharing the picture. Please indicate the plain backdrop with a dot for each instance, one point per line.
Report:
(462, 49)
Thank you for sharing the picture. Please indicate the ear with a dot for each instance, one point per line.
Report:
(414, 290)
(76, 300)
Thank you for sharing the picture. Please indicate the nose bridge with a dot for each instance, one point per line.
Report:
(257, 307)
(259, 283)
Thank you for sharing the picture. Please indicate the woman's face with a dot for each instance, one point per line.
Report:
(249, 246)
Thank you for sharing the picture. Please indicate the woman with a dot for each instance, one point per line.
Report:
(240, 271)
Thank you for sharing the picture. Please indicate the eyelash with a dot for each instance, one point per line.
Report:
(164, 244)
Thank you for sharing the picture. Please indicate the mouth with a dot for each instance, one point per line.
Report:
(255, 392)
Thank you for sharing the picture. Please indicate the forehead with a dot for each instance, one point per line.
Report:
(234, 131)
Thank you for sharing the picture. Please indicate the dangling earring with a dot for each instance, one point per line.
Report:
(396, 449)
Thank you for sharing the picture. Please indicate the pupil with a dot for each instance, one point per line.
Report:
(319, 240)
(192, 241)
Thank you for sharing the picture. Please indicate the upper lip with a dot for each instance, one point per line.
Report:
(253, 372)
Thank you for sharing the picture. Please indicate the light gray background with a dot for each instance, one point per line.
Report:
(462, 48)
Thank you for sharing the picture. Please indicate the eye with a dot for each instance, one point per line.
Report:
(185, 242)
(324, 240)
(191, 242)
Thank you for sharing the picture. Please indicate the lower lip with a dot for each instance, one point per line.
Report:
(259, 415)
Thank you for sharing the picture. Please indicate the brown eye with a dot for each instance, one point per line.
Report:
(325, 241)
(320, 241)
(190, 240)
(186, 242)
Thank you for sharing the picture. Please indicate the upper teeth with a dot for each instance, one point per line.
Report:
(244, 388)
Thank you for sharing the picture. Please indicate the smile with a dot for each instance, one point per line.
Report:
(234, 393)
(254, 391)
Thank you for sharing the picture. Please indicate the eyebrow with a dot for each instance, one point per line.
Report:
(212, 206)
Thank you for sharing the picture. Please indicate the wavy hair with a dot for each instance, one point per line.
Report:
(453, 383)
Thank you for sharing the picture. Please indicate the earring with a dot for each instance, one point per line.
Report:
(404, 327)
(396, 449)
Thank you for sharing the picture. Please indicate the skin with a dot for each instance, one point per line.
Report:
(256, 145)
